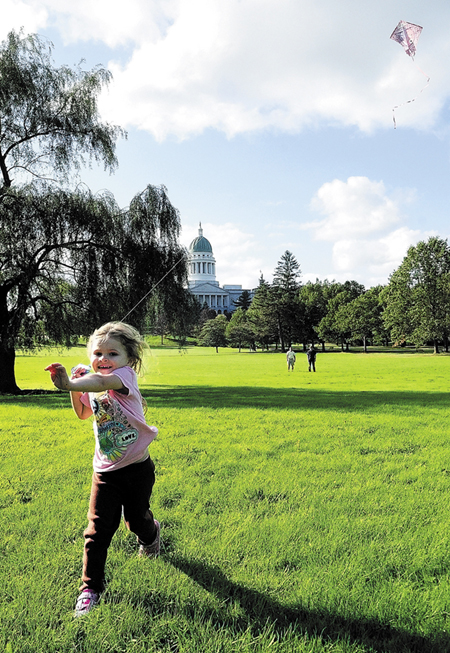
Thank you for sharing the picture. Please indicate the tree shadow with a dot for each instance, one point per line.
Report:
(288, 398)
(262, 612)
(264, 398)
(52, 399)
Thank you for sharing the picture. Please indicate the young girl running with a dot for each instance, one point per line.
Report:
(124, 473)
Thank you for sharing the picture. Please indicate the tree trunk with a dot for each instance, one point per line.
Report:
(365, 344)
(436, 347)
(7, 374)
(280, 333)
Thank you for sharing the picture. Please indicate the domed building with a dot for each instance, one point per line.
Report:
(202, 277)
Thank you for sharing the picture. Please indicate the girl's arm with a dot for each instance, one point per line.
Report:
(81, 411)
(87, 383)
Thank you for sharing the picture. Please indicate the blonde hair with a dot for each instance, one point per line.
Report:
(130, 338)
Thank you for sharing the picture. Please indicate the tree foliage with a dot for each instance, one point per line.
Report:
(284, 292)
(49, 120)
(244, 300)
(68, 260)
(313, 297)
(417, 297)
(239, 331)
(261, 315)
(71, 261)
(213, 333)
(362, 317)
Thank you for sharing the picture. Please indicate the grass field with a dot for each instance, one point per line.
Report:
(300, 512)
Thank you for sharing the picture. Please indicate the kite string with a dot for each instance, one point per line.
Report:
(415, 98)
(152, 288)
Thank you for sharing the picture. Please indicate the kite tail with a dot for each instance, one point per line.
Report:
(414, 98)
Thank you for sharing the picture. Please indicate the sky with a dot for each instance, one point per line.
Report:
(271, 123)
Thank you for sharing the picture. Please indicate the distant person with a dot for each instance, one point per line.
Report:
(124, 473)
(290, 358)
(311, 354)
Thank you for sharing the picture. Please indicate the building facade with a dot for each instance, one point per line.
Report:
(202, 278)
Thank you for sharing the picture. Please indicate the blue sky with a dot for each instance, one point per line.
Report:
(270, 122)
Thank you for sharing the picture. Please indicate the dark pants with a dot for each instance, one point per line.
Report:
(129, 488)
(312, 364)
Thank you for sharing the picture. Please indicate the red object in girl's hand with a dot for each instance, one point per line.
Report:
(53, 369)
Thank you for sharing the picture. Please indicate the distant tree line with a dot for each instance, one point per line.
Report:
(413, 308)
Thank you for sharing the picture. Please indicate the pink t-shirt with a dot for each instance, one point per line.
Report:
(121, 433)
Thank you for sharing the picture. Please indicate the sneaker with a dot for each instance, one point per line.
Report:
(87, 600)
(152, 550)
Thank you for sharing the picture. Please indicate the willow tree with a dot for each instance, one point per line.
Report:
(69, 260)
(49, 120)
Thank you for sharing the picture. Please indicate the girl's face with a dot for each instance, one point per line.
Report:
(108, 356)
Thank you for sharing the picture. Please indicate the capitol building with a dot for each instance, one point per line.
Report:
(202, 278)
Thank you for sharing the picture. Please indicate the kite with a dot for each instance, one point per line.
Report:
(407, 34)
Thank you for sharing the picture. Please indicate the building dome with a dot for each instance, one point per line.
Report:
(202, 278)
(200, 244)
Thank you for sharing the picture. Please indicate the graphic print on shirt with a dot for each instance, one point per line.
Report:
(114, 432)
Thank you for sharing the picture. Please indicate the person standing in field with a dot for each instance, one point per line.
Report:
(311, 354)
(290, 358)
(124, 473)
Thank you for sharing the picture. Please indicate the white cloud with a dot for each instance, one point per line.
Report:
(16, 14)
(358, 206)
(359, 220)
(245, 65)
(102, 21)
(379, 256)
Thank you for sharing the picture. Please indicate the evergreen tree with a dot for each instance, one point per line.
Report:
(244, 300)
(284, 295)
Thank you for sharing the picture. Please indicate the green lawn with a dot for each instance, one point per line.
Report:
(300, 512)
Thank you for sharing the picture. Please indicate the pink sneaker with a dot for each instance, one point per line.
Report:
(152, 550)
(87, 600)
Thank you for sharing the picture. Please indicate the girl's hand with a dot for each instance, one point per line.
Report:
(59, 376)
(80, 370)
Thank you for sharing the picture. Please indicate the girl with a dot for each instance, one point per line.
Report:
(124, 473)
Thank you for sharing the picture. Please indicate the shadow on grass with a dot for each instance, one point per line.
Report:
(257, 397)
(43, 398)
(288, 398)
(262, 612)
